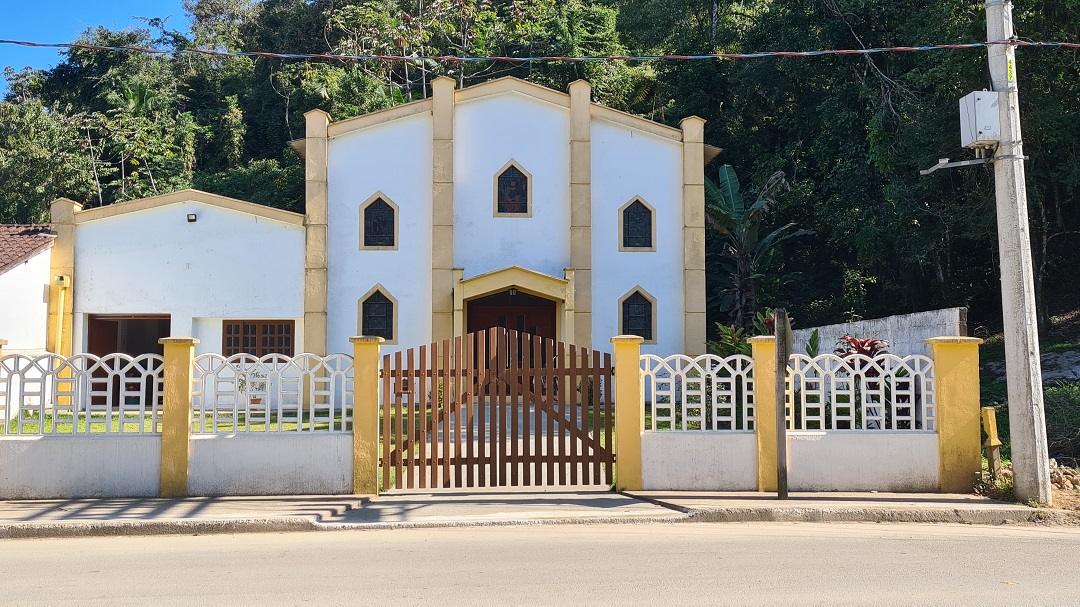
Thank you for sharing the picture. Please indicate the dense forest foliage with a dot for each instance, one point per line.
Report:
(833, 143)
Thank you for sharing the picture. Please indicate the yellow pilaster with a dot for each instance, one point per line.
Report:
(629, 411)
(764, 354)
(693, 216)
(366, 414)
(579, 332)
(443, 98)
(176, 415)
(3, 342)
(316, 191)
(58, 332)
(956, 387)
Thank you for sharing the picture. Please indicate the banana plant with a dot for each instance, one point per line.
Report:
(744, 254)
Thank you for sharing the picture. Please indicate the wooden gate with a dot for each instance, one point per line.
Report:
(496, 408)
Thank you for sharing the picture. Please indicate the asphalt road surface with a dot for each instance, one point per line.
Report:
(646, 564)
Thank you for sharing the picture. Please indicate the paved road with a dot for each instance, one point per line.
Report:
(655, 564)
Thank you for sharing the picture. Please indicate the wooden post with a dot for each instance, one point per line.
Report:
(176, 415)
(992, 444)
(782, 330)
(366, 414)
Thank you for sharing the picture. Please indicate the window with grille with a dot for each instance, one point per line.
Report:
(379, 224)
(637, 229)
(378, 316)
(513, 192)
(258, 337)
(637, 316)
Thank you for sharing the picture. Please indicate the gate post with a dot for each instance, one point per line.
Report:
(629, 412)
(176, 415)
(956, 392)
(764, 354)
(365, 414)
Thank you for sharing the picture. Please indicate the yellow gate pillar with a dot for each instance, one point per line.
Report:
(366, 414)
(956, 391)
(629, 412)
(176, 415)
(764, 355)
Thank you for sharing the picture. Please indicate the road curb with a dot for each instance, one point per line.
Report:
(143, 527)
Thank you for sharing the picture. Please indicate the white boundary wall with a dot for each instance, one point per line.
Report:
(904, 332)
(699, 461)
(271, 464)
(847, 460)
(47, 467)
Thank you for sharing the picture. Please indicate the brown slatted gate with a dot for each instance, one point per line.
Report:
(496, 408)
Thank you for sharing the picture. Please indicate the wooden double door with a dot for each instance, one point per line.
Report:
(515, 311)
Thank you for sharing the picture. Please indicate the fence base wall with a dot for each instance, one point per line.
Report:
(51, 467)
(863, 461)
(271, 464)
(699, 461)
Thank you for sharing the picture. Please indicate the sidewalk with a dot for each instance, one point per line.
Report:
(458, 508)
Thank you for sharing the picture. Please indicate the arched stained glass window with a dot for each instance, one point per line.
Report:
(513, 192)
(378, 316)
(379, 224)
(637, 226)
(637, 316)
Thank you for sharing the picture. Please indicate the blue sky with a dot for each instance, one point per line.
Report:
(64, 20)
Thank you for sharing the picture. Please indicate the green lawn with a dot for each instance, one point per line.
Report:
(102, 424)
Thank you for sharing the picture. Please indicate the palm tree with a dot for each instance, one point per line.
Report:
(745, 254)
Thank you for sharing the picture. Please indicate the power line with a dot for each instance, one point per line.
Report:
(625, 58)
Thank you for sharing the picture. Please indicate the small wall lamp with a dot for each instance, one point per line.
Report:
(192, 218)
(513, 291)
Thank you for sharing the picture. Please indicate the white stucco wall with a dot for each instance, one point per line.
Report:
(905, 332)
(46, 467)
(863, 461)
(699, 461)
(488, 132)
(228, 264)
(271, 464)
(628, 163)
(24, 308)
(393, 158)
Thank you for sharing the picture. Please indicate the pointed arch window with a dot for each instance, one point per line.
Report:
(637, 315)
(378, 223)
(637, 226)
(513, 191)
(378, 315)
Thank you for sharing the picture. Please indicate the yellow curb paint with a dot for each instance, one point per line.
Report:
(366, 414)
(629, 412)
(176, 415)
(764, 355)
(956, 382)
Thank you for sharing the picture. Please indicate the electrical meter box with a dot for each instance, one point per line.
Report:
(979, 123)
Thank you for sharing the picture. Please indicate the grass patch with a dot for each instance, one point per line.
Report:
(115, 424)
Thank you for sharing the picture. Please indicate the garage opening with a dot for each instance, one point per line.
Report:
(131, 334)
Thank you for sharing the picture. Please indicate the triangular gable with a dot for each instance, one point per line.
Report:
(189, 195)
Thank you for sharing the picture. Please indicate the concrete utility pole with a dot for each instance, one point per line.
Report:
(1027, 422)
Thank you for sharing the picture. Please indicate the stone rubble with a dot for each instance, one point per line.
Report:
(1066, 479)
(1055, 366)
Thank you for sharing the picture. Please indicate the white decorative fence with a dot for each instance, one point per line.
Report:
(858, 392)
(855, 423)
(81, 394)
(698, 393)
(275, 393)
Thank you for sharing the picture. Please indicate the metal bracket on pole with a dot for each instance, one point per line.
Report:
(943, 163)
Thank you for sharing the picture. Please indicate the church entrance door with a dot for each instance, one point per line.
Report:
(512, 310)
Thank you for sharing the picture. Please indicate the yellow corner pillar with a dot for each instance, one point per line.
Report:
(3, 342)
(58, 331)
(579, 331)
(316, 193)
(366, 414)
(956, 388)
(764, 354)
(693, 216)
(443, 98)
(629, 412)
(176, 415)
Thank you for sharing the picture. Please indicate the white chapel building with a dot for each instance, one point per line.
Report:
(501, 204)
